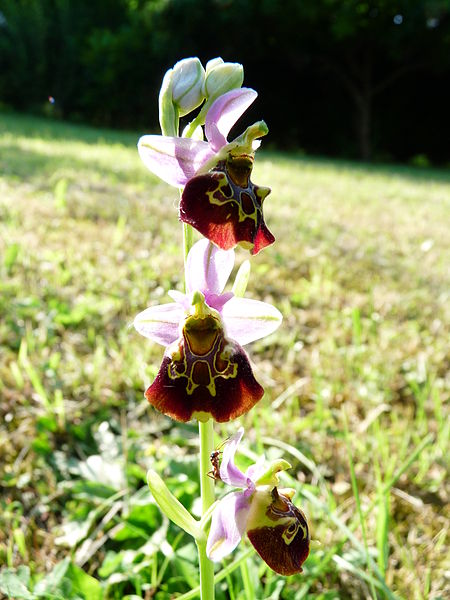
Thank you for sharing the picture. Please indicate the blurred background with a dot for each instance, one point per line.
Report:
(358, 79)
(357, 378)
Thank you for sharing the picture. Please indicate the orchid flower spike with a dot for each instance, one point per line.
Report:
(205, 371)
(277, 529)
(219, 199)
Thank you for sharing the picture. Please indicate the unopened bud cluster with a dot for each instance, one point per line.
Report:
(187, 85)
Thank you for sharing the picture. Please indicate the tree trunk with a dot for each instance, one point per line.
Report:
(364, 125)
(356, 76)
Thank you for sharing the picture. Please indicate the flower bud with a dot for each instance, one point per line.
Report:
(221, 77)
(188, 77)
(213, 63)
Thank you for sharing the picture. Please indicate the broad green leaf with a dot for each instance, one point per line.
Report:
(14, 584)
(52, 582)
(85, 584)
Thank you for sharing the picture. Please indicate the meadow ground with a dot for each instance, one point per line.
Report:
(356, 378)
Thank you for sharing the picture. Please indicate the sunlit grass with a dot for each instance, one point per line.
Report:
(88, 238)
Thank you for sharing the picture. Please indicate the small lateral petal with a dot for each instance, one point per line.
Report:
(227, 525)
(180, 298)
(248, 320)
(256, 469)
(224, 113)
(218, 301)
(160, 323)
(229, 472)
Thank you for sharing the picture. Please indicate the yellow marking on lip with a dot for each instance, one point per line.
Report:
(224, 181)
(204, 357)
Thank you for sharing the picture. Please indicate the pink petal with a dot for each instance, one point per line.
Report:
(218, 301)
(160, 323)
(208, 268)
(248, 320)
(255, 471)
(182, 299)
(227, 525)
(229, 473)
(224, 113)
(174, 160)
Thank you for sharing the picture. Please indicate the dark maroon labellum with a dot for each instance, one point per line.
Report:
(204, 375)
(283, 546)
(226, 207)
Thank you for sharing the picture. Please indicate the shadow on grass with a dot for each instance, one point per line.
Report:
(31, 165)
(52, 129)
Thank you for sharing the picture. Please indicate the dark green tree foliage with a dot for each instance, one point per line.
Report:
(358, 78)
(370, 46)
(24, 27)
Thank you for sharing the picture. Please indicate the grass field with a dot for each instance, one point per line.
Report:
(356, 378)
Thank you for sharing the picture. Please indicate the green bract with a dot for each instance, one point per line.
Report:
(181, 92)
(171, 507)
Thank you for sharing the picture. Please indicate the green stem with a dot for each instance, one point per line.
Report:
(221, 575)
(206, 574)
(199, 120)
(188, 239)
(206, 433)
